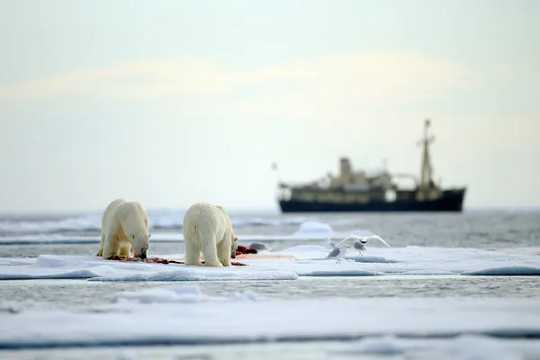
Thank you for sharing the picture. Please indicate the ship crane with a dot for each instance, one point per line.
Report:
(427, 190)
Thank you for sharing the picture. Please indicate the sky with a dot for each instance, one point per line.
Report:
(175, 102)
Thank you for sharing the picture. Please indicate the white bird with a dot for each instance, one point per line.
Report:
(358, 242)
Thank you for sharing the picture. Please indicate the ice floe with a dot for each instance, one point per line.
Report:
(161, 319)
(413, 260)
(314, 229)
(302, 260)
(164, 295)
(478, 347)
(178, 294)
(508, 271)
(90, 267)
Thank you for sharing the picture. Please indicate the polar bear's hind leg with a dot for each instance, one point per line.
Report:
(209, 248)
(224, 250)
(100, 251)
(192, 243)
(110, 248)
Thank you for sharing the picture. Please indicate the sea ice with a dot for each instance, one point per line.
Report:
(157, 320)
(91, 267)
(164, 295)
(302, 260)
(314, 230)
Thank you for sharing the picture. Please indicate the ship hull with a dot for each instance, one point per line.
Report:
(451, 200)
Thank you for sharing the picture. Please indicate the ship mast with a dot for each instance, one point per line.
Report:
(426, 171)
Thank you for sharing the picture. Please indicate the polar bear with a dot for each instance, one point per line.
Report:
(124, 230)
(208, 228)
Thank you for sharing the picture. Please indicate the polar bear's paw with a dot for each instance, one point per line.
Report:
(213, 263)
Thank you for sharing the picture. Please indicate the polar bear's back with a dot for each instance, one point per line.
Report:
(120, 210)
(108, 216)
(203, 216)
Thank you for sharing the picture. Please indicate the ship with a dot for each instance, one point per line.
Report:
(352, 191)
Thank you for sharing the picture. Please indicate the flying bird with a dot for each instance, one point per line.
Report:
(353, 241)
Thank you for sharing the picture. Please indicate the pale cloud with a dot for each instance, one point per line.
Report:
(329, 80)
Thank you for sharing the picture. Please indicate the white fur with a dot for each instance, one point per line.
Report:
(208, 228)
(124, 230)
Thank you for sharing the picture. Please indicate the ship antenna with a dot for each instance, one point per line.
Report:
(426, 171)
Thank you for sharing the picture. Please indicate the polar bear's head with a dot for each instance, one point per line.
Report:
(135, 226)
